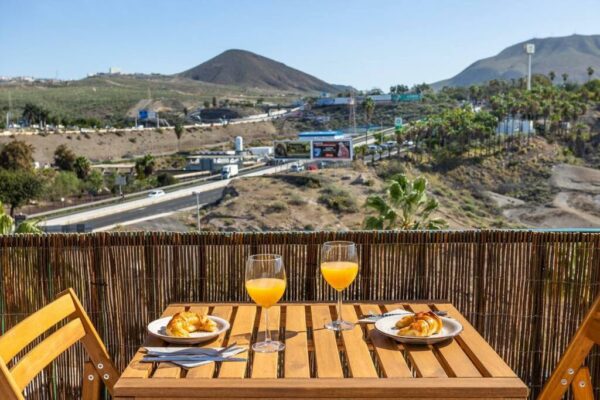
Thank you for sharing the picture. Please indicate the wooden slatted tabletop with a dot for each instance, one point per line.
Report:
(319, 363)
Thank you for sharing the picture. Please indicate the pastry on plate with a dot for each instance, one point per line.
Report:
(419, 324)
(185, 322)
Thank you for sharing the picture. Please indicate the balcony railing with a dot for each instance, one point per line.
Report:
(525, 292)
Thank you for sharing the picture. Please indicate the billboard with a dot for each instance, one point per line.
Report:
(296, 149)
(332, 150)
(145, 114)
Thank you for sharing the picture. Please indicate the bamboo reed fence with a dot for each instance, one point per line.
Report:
(525, 292)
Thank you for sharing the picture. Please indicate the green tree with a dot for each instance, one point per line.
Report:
(590, 72)
(82, 167)
(552, 76)
(64, 184)
(214, 102)
(64, 158)
(18, 187)
(206, 104)
(405, 205)
(34, 114)
(179, 131)
(369, 106)
(17, 155)
(144, 167)
(94, 182)
(565, 77)
(7, 224)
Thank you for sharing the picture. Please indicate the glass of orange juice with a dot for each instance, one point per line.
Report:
(339, 267)
(265, 283)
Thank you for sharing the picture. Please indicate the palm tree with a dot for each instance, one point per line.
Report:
(552, 75)
(179, 133)
(405, 206)
(565, 77)
(590, 72)
(369, 106)
(7, 224)
(144, 167)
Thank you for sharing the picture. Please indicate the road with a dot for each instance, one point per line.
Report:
(144, 208)
(154, 210)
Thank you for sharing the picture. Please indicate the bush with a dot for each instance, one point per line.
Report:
(338, 200)
(165, 179)
(277, 207)
(297, 200)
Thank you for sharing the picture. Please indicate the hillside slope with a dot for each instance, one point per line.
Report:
(569, 54)
(246, 69)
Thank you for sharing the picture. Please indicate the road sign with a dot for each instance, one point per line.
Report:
(332, 150)
(406, 97)
(398, 122)
(145, 114)
(292, 149)
(121, 180)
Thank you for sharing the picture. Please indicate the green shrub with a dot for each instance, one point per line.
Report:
(338, 200)
(297, 200)
(277, 207)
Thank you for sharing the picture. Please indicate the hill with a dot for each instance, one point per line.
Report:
(245, 69)
(113, 98)
(569, 54)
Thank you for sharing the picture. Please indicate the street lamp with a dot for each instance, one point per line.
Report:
(529, 49)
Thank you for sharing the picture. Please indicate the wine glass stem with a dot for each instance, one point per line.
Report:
(267, 331)
(339, 307)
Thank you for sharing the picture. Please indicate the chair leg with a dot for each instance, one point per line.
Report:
(581, 386)
(90, 389)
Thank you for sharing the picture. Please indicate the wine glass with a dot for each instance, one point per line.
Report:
(265, 283)
(339, 267)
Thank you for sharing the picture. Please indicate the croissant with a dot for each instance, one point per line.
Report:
(186, 321)
(419, 324)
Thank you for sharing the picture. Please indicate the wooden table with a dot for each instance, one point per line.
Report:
(318, 363)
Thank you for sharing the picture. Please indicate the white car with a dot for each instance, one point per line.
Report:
(156, 193)
(373, 148)
(297, 168)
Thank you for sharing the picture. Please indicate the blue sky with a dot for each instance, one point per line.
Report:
(366, 44)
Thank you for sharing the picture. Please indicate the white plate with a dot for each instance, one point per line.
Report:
(387, 326)
(158, 328)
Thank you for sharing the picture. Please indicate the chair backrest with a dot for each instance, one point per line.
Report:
(570, 369)
(78, 327)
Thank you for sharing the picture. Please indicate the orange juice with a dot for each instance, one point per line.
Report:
(339, 274)
(265, 291)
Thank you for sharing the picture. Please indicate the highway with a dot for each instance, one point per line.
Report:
(143, 209)
(153, 210)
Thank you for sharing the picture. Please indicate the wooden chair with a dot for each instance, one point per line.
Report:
(78, 327)
(570, 369)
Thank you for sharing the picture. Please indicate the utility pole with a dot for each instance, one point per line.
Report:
(529, 49)
(197, 194)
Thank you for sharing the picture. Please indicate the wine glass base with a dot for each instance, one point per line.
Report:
(339, 325)
(272, 346)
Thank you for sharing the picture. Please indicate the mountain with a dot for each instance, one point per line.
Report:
(571, 54)
(246, 69)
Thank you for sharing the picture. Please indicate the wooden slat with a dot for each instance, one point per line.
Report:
(581, 386)
(326, 350)
(340, 388)
(296, 343)
(453, 358)
(90, 389)
(265, 364)
(166, 369)
(207, 371)
(241, 332)
(479, 351)
(358, 356)
(15, 339)
(423, 359)
(390, 358)
(42, 354)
